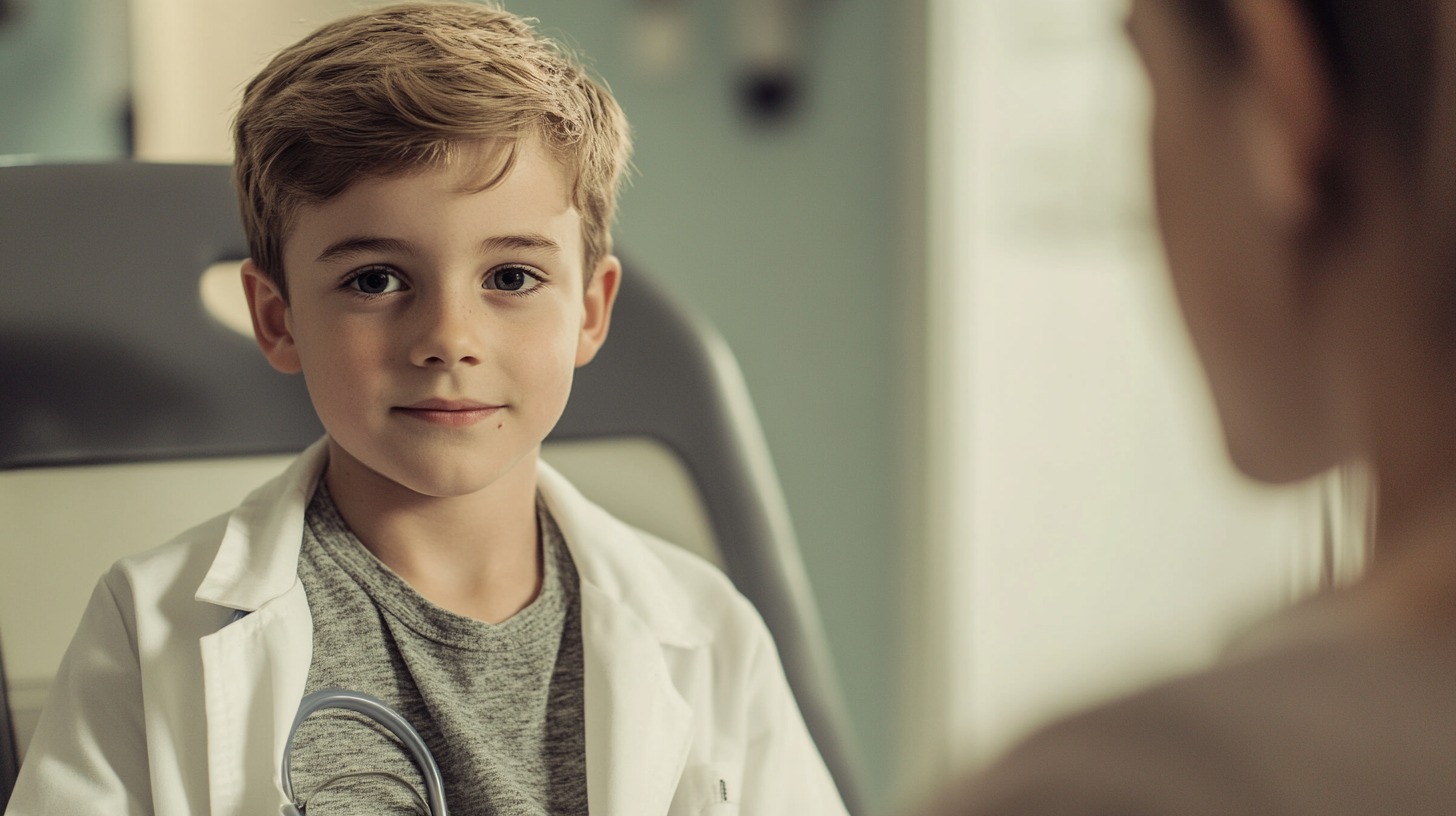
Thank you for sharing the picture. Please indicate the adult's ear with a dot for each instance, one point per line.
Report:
(271, 319)
(600, 296)
(1287, 109)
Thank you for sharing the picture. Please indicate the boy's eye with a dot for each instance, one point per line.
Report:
(512, 279)
(376, 282)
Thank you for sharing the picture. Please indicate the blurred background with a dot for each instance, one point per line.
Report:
(923, 227)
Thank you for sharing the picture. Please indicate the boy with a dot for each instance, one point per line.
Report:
(427, 192)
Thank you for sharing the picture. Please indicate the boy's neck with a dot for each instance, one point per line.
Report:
(476, 555)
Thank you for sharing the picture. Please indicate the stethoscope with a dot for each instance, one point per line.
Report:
(393, 722)
(379, 711)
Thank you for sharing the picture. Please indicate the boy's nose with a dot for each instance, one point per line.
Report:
(448, 336)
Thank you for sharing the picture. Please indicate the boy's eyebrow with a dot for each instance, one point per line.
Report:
(526, 241)
(359, 244)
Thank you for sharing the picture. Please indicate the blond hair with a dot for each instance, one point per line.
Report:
(413, 86)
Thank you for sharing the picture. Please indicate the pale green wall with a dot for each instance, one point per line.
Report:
(785, 237)
(63, 79)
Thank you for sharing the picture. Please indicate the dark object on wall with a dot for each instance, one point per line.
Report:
(772, 46)
(770, 95)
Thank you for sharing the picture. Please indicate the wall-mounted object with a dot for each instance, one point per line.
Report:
(767, 44)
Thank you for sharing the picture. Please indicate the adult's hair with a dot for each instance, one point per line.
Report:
(1380, 56)
(411, 87)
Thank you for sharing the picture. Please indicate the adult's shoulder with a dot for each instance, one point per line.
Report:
(1330, 726)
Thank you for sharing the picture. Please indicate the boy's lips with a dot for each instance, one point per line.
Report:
(452, 413)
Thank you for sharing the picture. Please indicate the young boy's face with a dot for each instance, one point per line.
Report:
(438, 328)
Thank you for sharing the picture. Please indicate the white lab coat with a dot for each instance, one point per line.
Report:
(163, 706)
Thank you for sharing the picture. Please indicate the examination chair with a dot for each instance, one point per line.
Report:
(115, 379)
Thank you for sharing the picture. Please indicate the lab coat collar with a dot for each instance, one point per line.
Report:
(257, 560)
(615, 560)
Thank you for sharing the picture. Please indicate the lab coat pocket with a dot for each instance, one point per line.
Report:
(708, 789)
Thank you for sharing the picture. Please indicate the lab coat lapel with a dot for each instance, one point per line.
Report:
(251, 673)
(634, 615)
(638, 727)
(255, 668)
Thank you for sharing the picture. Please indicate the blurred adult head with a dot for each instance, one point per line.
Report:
(1304, 154)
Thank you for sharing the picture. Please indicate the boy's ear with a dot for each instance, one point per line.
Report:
(1288, 112)
(270, 319)
(600, 296)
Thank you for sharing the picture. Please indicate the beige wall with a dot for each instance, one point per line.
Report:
(192, 58)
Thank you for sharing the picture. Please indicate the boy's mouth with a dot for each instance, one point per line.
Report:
(450, 413)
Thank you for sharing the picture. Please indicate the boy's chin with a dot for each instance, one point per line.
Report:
(459, 484)
(420, 476)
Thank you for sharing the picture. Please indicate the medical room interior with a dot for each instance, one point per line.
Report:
(923, 229)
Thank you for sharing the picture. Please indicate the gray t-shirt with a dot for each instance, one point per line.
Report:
(500, 705)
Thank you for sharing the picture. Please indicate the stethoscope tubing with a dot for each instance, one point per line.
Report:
(380, 712)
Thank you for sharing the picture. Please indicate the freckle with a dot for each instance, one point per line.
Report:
(502, 425)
